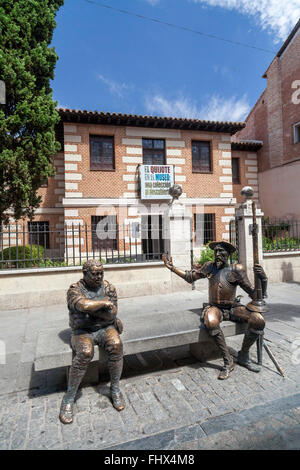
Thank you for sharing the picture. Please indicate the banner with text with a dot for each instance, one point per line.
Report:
(156, 180)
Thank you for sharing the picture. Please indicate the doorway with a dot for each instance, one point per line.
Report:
(152, 237)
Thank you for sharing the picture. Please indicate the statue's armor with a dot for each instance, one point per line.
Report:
(223, 305)
(221, 291)
(222, 282)
(82, 320)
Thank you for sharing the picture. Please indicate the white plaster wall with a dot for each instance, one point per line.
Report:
(282, 267)
(38, 287)
(279, 191)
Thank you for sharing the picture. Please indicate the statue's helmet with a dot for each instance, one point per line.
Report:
(226, 245)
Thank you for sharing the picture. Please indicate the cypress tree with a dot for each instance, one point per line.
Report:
(29, 117)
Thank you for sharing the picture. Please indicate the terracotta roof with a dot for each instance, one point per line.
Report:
(249, 145)
(96, 117)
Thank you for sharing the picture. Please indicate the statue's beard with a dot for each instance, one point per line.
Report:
(220, 262)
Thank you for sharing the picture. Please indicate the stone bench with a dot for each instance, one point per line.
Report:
(142, 332)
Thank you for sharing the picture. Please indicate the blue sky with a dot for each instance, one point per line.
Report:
(114, 62)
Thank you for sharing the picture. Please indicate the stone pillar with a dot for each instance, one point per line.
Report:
(177, 228)
(245, 221)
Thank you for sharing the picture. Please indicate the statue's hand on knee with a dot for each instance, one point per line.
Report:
(119, 326)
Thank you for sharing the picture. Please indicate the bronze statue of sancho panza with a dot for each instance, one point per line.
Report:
(93, 307)
(222, 303)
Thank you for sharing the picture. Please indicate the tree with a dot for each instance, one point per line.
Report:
(29, 117)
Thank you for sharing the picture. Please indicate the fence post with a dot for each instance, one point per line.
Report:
(244, 218)
(177, 226)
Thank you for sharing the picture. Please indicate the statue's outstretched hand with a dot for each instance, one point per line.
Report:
(259, 271)
(168, 261)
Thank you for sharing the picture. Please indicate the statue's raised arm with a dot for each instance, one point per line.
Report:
(188, 275)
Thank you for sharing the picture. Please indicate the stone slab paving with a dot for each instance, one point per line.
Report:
(182, 407)
(172, 401)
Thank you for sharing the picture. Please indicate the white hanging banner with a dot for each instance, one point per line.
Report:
(156, 181)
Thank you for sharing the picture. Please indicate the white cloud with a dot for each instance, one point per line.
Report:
(180, 107)
(59, 105)
(279, 16)
(223, 71)
(216, 108)
(115, 88)
(222, 109)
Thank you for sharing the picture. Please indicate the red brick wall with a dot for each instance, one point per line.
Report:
(74, 179)
(274, 114)
(290, 65)
(103, 184)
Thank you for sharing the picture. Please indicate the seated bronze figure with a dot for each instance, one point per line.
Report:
(93, 307)
(222, 303)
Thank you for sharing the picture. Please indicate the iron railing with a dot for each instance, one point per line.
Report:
(40, 245)
(280, 235)
(234, 239)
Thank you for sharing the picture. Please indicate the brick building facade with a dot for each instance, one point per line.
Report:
(275, 120)
(83, 192)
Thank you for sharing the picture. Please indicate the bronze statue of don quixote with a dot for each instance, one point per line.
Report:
(223, 304)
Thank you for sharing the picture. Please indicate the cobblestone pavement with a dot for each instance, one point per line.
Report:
(180, 406)
(172, 401)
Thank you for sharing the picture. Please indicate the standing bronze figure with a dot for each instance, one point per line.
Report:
(222, 303)
(93, 307)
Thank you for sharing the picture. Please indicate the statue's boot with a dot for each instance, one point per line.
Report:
(225, 371)
(219, 338)
(115, 371)
(77, 372)
(243, 355)
(118, 400)
(66, 411)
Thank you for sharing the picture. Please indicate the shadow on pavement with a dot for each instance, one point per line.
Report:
(283, 312)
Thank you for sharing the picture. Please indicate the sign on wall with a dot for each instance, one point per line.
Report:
(156, 181)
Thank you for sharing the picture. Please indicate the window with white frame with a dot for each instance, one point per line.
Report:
(297, 133)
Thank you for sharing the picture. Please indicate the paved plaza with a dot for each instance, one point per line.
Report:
(172, 401)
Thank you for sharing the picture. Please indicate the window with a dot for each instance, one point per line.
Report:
(154, 152)
(201, 157)
(102, 153)
(297, 133)
(104, 233)
(205, 228)
(236, 171)
(38, 234)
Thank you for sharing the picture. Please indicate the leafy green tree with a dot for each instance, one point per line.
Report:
(28, 119)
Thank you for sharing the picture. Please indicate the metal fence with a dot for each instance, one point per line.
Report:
(40, 245)
(234, 239)
(280, 235)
